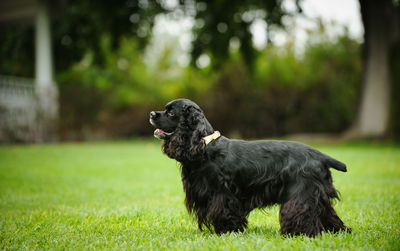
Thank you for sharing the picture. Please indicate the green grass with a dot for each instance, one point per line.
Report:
(127, 195)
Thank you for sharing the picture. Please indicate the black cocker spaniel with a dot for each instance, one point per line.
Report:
(224, 179)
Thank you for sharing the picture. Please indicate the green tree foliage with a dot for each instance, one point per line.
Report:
(77, 28)
(17, 51)
(316, 91)
(113, 98)
(217, 22)
(107, 89)
(82, 24)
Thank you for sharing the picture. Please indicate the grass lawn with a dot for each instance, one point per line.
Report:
(127, 195)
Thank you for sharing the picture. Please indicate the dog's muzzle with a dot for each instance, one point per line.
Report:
(158, 133)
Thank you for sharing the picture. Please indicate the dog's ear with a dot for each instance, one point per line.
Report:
(194, 118)
(196, 122)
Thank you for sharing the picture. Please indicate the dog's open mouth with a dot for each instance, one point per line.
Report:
(160, 134)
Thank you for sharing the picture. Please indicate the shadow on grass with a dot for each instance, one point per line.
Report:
(253, 231)
(276, 234)
(262, 231)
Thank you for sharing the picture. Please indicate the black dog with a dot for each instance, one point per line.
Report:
(225, 179)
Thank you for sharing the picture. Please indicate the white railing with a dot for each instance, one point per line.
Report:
(18, 110)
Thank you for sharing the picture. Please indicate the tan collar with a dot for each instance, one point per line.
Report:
(208, 139)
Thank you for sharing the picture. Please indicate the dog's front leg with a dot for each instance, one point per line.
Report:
(226, 214)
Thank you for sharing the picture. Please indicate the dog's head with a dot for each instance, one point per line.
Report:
(182, 126)
(179, 114)
(175, 115)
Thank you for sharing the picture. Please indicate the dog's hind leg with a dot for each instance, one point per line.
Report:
(331, 220)
(300, 216)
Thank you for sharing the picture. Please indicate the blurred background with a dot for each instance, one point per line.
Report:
(89, 70)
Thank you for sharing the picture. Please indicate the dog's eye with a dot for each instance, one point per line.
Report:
(171, 114)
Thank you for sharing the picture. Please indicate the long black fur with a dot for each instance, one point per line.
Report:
(227, 179)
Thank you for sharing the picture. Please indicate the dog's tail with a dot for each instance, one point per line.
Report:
(336, 164)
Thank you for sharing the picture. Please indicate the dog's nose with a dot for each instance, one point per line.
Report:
(153, 114)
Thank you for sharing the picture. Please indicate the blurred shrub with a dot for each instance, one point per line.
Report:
(115, 98)
(316, 91)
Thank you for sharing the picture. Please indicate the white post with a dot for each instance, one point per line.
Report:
(46, 89)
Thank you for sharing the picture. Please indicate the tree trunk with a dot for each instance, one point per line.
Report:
(379, 24)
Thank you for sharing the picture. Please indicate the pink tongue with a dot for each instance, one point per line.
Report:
(158, 131)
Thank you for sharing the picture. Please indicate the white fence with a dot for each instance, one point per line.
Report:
(18, 110)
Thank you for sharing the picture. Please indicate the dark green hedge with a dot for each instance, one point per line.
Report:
(316, 91)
